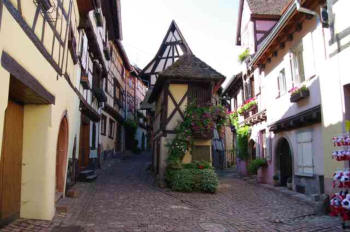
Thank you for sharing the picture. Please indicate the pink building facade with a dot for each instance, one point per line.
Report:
(282, 75)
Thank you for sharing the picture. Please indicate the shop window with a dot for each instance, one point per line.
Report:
(111, 128)
(103, 124)
(304, 153)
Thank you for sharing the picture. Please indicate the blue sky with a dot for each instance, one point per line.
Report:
(208, 26)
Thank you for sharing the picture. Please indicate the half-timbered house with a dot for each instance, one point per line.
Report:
(188, 80)
(39, 104)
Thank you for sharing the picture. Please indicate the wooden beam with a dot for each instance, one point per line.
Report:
(22, 75)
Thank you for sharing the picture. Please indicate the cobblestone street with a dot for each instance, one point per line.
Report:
(124, 198)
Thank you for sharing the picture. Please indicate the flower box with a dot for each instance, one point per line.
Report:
(84, 81)
(202, 134)
(299, 94)
(248, 106)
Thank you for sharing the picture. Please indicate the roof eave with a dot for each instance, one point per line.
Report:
(283, 20)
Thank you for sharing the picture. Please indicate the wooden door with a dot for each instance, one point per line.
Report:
(61, 156)
(11, 163)
(84, 150)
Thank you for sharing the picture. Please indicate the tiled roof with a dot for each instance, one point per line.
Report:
(189, 66)
(267, 7)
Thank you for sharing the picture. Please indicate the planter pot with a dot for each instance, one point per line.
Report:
(203, 134)
(276, 183)
(290, 186)
(299, 96)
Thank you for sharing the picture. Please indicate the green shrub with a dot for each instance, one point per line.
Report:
(254, 165)
(242, 141)
(208, 181)
(181, 180)
(198, 165)
(192, 180)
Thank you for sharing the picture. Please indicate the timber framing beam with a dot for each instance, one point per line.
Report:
(23, 76)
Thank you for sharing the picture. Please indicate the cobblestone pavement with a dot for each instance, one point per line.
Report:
(125, 199)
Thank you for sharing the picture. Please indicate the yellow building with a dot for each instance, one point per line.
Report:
(39, 104)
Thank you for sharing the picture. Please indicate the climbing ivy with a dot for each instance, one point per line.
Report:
(242, 136)
(195, 118)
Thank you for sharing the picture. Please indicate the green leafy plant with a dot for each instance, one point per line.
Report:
(243, 55)
(242, 135)
(190, 180)
(296, 90)
(198, 175)
(250, 103)
(242, 141)
(254, 165)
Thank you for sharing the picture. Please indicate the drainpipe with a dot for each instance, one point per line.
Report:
(304, 10)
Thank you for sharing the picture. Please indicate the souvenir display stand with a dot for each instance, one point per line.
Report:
(340, 200)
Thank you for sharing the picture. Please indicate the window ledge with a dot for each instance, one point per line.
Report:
(304, 174)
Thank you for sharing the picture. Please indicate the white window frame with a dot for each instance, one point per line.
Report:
(282, 82)
(297, 64)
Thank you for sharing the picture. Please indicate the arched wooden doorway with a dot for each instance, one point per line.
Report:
(284, 161)
(61, 155)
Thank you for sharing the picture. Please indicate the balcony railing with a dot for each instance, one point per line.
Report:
(255, 118)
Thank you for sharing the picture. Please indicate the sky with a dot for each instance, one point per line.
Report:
(209, 27)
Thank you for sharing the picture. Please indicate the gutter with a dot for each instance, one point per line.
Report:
(296, 6)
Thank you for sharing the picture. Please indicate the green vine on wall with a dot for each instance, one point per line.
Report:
(195, 119)
(242, 136)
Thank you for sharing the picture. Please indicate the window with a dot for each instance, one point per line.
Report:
(200, 94)
(111, 128)
(281, 81)
(72, 45)
(93, 137)
(262, 137)
(304, 156)
(103, 124)
(297, 63)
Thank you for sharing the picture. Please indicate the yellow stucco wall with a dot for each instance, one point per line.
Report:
(41, 122)
(178, 91)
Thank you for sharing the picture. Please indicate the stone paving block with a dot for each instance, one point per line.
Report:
(124, 198)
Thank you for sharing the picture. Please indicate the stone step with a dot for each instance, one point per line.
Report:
(91, 178)
(87, 172)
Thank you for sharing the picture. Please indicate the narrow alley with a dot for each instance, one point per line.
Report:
(124, 199)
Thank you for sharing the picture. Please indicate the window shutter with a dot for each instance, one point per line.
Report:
(300, 158)
(305, 158)
(200, 94)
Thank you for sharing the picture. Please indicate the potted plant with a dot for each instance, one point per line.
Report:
(290, 183)
(275, 180)
(298, 94)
